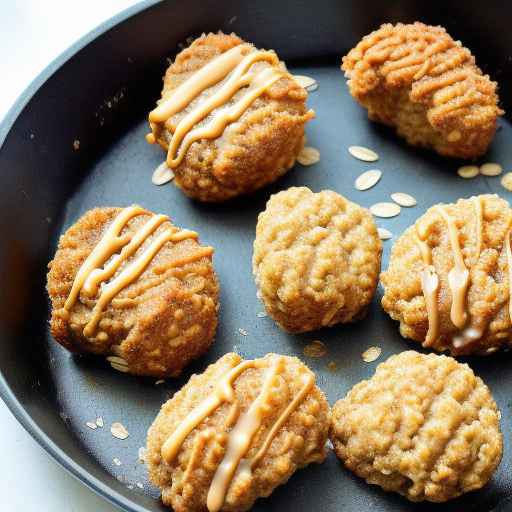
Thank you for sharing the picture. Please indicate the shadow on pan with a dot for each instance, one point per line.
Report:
(97, 93)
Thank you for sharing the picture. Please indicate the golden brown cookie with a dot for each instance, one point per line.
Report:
(231, 118)
(448, 279)
(128, 284)
(316, 259)
(423, 426)
(235, 432)
(417, 78)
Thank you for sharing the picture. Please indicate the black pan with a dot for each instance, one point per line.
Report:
(98, 93)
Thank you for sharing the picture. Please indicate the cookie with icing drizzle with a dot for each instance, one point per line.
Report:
(128, 283)
(423, 426)
(417, 78)
(316, 259)
(449, 278)
(231, 118)
(235, 432)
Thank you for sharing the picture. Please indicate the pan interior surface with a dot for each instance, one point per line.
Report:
(73, 149)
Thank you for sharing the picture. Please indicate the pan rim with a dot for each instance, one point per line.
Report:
(6, 393)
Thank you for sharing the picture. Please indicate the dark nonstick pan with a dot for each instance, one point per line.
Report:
(98, 94)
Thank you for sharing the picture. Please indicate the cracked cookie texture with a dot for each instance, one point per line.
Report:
(158, 322)
(423, 426)
(236, 432)
(416, 78)
(316, 259)
(469, 239)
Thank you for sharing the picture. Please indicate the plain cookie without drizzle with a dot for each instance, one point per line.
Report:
(423, 426)
(235, 432)
(316, 259)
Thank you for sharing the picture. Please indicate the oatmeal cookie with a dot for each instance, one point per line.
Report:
(231, 118)
(316, 259)
(418, 79)
(128, 284)
(448, 279)
(423, 426)
(235, 432)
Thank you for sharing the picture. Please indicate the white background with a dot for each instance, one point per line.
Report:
(32, 34)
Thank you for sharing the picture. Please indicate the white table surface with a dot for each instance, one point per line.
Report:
(32, 34)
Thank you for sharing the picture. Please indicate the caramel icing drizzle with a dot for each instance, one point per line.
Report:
(104, 261)
(458, 277)
(234, 67)
(509, 264)
(242, 434)
(430, 287)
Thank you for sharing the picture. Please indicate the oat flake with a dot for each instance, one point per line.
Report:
(99, 422)
(506, 181)
(491, 169)
(116, 461)
(315, 349)
(371, 354)
(92, 425)
(468, 171)
(368, 179)
(162, 175)
(304, 81)
(142, 454)
(385, 210)
(403, 199)
(261, 314)
(362, 153)
(243, 332)
(384, 234)
(119, 431)
(308, 156)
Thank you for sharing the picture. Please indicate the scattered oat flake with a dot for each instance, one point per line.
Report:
(403, 199)
(315, 349)
(162, 174)
(362, 153)
(99, 422)
(130, 487)
(92, 425)
(332, 366)
(243, 332)
(384, 234)
(385, 210)
(491, 169)
(142, 454)
(261, 314)
(120, 368)
(160, 381)
(506, 181)
(119, 431)
(371, 354)
(368, 179)
(139, 485)
(117, 360)
(76, 144)
(304, 81)
(468, 171)
(313, 87)
(116, 461)
(308, 156)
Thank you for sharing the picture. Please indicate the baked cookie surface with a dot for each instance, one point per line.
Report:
(423, 426)
(448, 279)
(128, 284)
(235, 432)
(418, 79)
(231, 118)
(316, 259)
